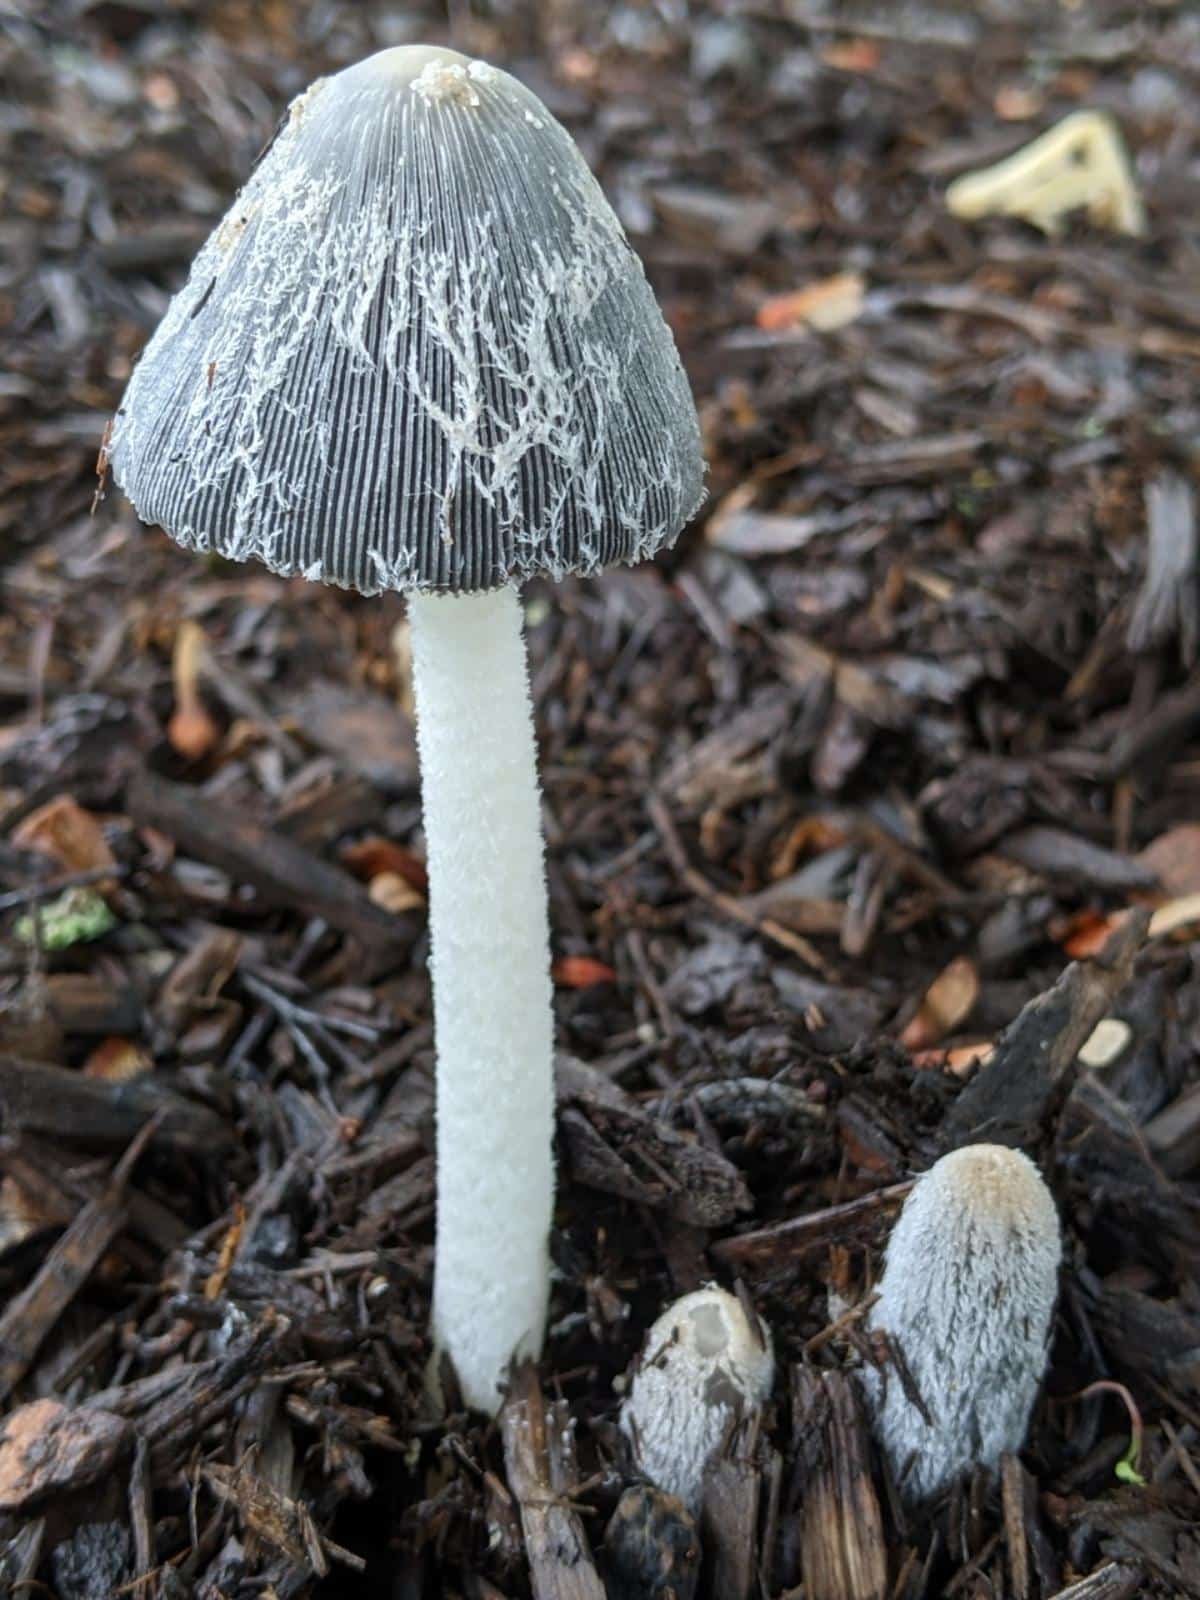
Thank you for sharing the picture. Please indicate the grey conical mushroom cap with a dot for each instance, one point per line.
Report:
(418, 353)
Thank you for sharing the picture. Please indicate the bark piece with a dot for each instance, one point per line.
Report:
(30, 1315)
(284, 1524)
(786, 1244)
(1167, 602)
(1012, 1098)
(88, 1003)
(48, 1449)
(615, 1146)
(539, 1460)
(1116, 1580)
(365, 731)
(1064, 856)
(729, 1512)
(843, 1555)
(281, 871)
(66, 1105)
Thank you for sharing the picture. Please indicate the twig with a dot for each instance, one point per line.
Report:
(34, 893)
(700, 886)
(31, 1315)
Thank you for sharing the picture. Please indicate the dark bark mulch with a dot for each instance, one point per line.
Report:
(864, 808)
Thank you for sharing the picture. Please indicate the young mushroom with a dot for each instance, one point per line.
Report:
(704, 1366)
(419, 354)
(966, 1298)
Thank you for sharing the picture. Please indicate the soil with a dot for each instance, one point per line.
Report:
(873, 818)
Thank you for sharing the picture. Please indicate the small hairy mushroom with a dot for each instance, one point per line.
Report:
(966, 1298)
(419, 354)
(704, 1366)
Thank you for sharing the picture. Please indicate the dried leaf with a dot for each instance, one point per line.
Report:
(947, 1004)
(394, 893)
(826, 305)
(852, 55)
(1174, 859)
(1088, 932)
(581, 972)
(69, 835)
(117, 1059)
(960, 1061)
(373, 855)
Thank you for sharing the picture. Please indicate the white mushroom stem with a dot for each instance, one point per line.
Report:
(491, 983)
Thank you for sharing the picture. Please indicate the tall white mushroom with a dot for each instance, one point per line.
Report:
(420, 354)
(967, 1296)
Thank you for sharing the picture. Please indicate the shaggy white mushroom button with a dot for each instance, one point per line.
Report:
(704, 1366)
(967, 1294)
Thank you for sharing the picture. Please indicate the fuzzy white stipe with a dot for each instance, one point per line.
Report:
(967, 1294)
(702, 1368)
(491, 983)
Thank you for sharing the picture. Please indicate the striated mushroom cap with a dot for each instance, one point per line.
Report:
(703, 1367)
(417, 353)
(967, 1294)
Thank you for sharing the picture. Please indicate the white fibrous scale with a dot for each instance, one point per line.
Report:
(704, 1367)
(967, 1295)
(418, 352)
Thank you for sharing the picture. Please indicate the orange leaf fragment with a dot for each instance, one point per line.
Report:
(852, 55)
(64, 831)
(1088, 932)
(826, 305)
(215, 1284)
(371, 856)
(948, 1002)
(116, 1060)
(958, 1061)
(581, 972)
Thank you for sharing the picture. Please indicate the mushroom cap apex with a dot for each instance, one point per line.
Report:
(432, 70)
(710, 1328)
(403, 62)
(992, 1181)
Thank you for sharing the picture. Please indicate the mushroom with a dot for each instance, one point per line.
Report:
(967, 1296)
(419, 354)
(704, 1366)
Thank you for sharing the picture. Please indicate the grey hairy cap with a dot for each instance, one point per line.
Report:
(967, 1295)
(417, 353)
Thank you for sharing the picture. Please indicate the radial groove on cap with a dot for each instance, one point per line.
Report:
(418, 352)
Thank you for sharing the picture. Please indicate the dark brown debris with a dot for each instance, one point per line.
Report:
(651, 1547)
(857, 805)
